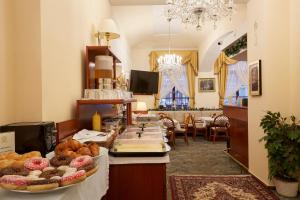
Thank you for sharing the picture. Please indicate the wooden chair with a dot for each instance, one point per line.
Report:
(161, 115)
(170, 125)
(220, 125)
(198, 125)
(183, 129)
(66, 130)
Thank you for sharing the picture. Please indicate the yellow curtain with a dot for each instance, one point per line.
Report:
(221, 69)
(190, 59)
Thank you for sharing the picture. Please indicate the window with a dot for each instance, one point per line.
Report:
(237, 83)
(182, 101)
(174, 87)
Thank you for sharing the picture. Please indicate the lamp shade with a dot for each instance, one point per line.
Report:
(109, 28)
(141, 106)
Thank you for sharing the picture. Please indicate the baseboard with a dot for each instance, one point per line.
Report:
(247, 170)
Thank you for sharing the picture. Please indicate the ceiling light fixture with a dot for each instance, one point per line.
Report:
(197, 12)
(169, 61)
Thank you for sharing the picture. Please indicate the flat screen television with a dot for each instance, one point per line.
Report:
(143, 82)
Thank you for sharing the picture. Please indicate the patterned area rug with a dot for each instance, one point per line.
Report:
(237, 187)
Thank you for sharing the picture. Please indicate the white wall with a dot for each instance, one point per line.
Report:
(270, 43)
(294, 57)
(64, 37)
(42, 56)
(6, 63)
(206, 99)
(27, 60)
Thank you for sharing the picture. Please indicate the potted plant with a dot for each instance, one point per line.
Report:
(282, 137)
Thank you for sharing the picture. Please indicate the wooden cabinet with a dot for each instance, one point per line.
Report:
(137, 182)
(238, 131)
(91, 53)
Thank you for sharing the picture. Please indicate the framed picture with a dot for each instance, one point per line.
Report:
(255, 78)
(206, 84)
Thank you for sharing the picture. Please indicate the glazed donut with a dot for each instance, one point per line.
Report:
(89, 169)
(73, 178)
(9, 155)
(14, 171)
(13, 182)
(84, 151)
(81, 161)
(60, 160)
(36, 163)
(94, 148)
(50, 173)
(39, 185)
(6, 163)
(31, 154)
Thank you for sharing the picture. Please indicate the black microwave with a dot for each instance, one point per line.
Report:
(32, 136)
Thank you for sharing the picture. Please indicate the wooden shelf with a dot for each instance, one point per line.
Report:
(106, 101)
(91, 53)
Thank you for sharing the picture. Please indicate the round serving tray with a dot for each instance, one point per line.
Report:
(42, 191)
(51, 190)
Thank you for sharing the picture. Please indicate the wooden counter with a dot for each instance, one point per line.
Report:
(238, 131)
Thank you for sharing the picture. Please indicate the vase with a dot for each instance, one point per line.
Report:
(286, 189)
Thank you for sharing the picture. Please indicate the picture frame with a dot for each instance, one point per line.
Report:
(255, 82)
(206, 84)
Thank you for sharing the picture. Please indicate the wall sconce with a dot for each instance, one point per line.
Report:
(108, 31)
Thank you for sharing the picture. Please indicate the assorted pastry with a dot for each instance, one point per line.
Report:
(72, 148)
(33, 173)
(12, 158)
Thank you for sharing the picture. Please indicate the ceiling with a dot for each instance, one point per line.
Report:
(149, 2)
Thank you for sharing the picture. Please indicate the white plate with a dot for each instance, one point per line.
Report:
(42, 191)
(51, 190)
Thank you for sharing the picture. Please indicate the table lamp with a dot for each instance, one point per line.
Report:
(141, 107)
(108, 30)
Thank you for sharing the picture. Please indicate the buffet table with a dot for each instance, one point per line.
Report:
(93, 188)
(137, 178)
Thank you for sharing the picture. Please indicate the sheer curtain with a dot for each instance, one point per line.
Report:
(237, 77)
(174, 78)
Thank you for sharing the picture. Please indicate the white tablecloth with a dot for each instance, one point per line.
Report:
(93, 188)
(138, 160)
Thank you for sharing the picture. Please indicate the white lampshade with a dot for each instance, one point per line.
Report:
(141, 106)
(109, 28)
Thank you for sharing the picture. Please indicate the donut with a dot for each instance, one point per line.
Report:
(60, 160)
(73, 178)
(48, 168)
(36, 163)
(81, 161)
(14, 171)
(6, 163)
(50, 173)
(89, 169)
(39, 185)
(13, 182)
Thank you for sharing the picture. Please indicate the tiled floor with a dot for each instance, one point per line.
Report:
(202, 157)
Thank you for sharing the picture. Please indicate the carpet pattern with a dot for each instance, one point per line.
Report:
(214, 187)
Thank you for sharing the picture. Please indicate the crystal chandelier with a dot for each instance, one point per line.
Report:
(169, 61)
(197, 12)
